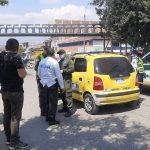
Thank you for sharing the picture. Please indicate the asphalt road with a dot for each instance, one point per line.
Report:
(114, 128)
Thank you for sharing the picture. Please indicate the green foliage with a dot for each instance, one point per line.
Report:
(21, 50)
(3, 2)
(126, 20)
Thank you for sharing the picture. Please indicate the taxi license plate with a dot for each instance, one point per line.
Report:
(120, 81)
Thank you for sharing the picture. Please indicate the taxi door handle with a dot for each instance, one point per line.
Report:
(80, 79)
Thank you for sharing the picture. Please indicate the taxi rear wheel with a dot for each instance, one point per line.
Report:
(89, 104)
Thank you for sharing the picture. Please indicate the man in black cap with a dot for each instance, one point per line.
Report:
(67, 68)
(12, 73)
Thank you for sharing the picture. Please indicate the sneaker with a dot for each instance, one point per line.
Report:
(53, 122)
(68, 114)
(19, 145)
(62, 110)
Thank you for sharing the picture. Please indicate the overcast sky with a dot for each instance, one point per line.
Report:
(44, 11)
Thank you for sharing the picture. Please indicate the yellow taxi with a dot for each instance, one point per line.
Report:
(104, 79)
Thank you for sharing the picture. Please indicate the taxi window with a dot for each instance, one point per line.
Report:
(111, 65)
(80, 65)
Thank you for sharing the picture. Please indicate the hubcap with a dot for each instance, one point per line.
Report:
(88, 104)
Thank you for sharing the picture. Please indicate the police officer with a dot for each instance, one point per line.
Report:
(137, 63)
(42, 101)
(67, 68)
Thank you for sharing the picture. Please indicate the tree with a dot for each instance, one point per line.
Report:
(126, 20)
(21, 50)
(3, 2)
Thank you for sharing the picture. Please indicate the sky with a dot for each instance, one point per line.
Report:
(44, 11)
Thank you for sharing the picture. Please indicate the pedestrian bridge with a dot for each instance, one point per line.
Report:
(51, 30)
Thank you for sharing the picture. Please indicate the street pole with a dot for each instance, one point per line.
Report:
(84, 42)
(85, 19)
(84, 31)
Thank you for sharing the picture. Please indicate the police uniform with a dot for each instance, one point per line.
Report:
(137, 63)
(67, 67)
(140, 72)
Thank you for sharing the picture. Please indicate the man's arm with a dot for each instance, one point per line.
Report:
(37, 61)
(70, 67)
(36, 65)
(39, 70)
(20, 67)
(59, 76)
(134, 64)
(22, 73)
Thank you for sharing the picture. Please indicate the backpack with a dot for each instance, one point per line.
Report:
(2, 54)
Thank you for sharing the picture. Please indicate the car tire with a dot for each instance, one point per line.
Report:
(89, 105)
(133, 104)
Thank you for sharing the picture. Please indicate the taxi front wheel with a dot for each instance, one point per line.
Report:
(89, 105)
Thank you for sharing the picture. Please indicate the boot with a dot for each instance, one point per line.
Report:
(63, 110)
(53, 121)
(69, 113)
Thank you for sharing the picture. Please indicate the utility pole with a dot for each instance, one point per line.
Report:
(84, 43)
(84, 18)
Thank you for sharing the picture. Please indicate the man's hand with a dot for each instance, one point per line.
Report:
(61, 71)
(62, 90)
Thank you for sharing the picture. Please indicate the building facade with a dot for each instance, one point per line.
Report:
(86, 44)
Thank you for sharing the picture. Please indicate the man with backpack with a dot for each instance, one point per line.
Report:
(12, 73)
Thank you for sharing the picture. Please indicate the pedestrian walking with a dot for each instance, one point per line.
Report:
(50, 76)
(42, 100)
(67, 68)
(12, 73)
